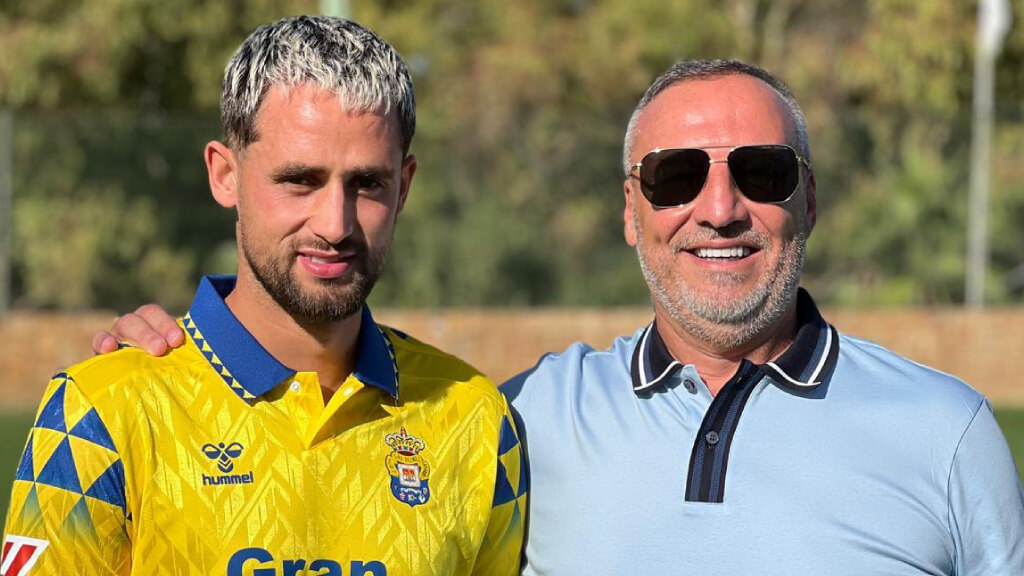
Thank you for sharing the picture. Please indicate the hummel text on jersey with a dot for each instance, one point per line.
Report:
(224, 455)
(228, 479)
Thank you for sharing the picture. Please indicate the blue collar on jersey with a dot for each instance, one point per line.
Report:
(809, 361)
(245, 364)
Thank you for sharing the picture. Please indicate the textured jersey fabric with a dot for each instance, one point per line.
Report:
(217, 459)
(838, 458)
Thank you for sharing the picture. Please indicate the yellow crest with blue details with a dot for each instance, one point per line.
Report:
(408, 467)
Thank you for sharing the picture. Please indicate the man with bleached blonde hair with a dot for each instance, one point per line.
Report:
(290, 433)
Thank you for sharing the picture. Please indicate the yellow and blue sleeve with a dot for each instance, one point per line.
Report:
(501, 551)
(68, 512)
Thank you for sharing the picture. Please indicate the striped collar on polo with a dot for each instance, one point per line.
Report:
(809, 361)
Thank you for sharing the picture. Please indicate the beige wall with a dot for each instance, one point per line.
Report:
(986, 349)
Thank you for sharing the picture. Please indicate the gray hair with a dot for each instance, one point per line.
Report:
(334, 54)
(706, 69)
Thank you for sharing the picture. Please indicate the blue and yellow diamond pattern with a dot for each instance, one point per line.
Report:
(70, 468)
(508, 507)
(211, 356)
(391, 354)
(510, 484)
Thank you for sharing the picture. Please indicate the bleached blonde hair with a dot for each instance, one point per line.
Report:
(334, 54)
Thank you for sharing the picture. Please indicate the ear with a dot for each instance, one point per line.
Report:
(408, 171)
(812, 201)
(222, 171)
(628, 226)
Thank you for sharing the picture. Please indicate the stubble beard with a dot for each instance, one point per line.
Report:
(334, 300)
(725, 324)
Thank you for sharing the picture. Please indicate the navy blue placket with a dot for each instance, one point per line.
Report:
(805, 365)
(710, 457)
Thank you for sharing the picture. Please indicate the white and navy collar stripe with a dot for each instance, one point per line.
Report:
(808, 362)
(652, 363)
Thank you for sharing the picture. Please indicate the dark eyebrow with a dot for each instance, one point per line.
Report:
(293, 172)
(381, 173)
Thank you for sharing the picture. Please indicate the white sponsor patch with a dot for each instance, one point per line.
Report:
(20, 555)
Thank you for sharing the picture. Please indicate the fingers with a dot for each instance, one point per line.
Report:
(162, 323)
(150, 328)
(175, 337)
(135, 330)
(103, 342)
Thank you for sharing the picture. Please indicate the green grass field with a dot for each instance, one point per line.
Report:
(14, 431)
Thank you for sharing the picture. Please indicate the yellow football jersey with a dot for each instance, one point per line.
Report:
(218, 459)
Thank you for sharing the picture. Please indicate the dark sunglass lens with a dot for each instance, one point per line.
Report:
(673, 177)
(765, 173)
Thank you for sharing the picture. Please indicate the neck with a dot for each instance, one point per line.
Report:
(718, 359)
(327, 349)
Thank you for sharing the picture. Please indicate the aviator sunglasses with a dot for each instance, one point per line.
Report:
(765, 173)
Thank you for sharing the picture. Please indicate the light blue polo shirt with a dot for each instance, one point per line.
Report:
(838, 458)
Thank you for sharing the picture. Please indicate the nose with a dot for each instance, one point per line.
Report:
(333, 217)
(720, 203)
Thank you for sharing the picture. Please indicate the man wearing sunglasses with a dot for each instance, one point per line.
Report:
(739, 432)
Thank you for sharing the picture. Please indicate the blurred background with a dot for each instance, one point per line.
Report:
(511, 242)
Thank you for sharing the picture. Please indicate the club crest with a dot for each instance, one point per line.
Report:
(408, 467)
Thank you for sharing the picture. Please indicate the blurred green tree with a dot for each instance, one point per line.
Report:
(114, 101)
(895, 232)
(522, 109)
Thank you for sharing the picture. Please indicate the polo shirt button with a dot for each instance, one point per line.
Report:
(711, 437)
(294, 387)
(690, 386)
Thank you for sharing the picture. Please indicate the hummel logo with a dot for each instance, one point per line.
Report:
(223, 454)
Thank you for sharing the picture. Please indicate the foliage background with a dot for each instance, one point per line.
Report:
(522, 107)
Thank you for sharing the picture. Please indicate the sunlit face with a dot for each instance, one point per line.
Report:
(317, 196)
(724, 301)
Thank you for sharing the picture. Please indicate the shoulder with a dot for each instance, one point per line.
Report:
(99, 377)
(101, 399)
(878, 370)
(577, 365)
(422, 364)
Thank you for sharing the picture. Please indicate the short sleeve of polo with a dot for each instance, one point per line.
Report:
(986, 502)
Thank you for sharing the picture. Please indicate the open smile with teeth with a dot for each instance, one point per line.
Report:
(330, 260)
(731, 253)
